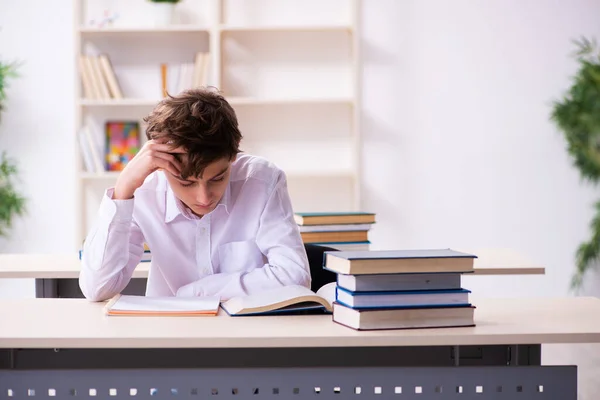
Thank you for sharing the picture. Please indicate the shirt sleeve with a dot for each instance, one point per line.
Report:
(279, 239)
(111, 251)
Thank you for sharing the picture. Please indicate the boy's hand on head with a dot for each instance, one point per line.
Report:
(152, 156)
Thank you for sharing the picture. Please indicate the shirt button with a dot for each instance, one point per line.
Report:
(205, 271)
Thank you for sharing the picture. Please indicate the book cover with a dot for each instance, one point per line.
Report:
(122, 143)
(398, 261)
(403, 318)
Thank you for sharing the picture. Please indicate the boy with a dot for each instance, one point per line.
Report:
(218, 223)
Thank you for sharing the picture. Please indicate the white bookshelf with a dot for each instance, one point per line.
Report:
(290, 68)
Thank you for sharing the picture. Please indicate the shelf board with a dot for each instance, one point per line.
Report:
(341, 173)
(232, 100)
(290, 100)
(291, 28)
(143, 30)
(94, 176)
(119, 103)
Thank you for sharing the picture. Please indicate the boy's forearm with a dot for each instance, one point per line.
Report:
(234, 284)
(111, 252)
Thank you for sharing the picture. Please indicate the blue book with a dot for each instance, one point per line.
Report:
(403, 299)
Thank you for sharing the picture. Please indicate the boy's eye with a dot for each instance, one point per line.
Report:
(218, 179)
(187, 184)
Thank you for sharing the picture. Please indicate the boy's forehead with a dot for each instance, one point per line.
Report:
(210, 171)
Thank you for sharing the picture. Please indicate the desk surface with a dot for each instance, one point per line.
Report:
(77, 323)
(489, 262)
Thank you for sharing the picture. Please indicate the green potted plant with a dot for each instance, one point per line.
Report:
(11, 202)
(577, 115)
(164, 11)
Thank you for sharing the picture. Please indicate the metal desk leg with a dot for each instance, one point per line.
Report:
(46, 288)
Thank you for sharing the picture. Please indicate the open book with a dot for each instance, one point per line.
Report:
(162, 306)
(284, 300)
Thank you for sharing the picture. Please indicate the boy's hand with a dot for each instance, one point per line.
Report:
(152, 156)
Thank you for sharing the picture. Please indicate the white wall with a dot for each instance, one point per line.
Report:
(37, 125)
(458, 148)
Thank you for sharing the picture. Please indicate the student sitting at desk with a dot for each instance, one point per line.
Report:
(218, 223)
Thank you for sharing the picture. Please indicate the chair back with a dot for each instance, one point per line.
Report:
(320, 276)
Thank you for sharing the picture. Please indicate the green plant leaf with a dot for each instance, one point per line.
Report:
(11, 202)
(577, 115)
(7, 70)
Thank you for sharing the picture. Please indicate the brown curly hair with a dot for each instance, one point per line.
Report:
(200, 121)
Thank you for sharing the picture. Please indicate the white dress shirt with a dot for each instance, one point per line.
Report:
(248, 243)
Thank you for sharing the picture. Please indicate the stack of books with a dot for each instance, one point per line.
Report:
(401, 289)
(339, 230)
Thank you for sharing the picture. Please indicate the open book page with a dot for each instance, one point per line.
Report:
(327, 292)
(142, 305)
(294, 296)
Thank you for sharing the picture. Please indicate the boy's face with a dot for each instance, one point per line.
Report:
(202, 194)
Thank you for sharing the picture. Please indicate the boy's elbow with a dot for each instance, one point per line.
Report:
(93, 291)
(299, 275)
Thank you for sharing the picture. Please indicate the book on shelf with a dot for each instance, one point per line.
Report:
(133, 305)
(91, 150)
(398, 261)
(330, 218)
(98, 78)
(177, 77)
(403, 318)
(122, 143)
(291, 299)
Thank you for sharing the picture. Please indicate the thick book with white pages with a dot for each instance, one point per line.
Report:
(404, 318)
(419, 298)
(334, 228)
(398, 261)
(395, 282)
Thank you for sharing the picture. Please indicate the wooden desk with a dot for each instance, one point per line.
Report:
(67, 266)
(69, 344)
(71, 323)
(56, 275)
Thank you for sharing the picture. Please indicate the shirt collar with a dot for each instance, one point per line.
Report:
(175, 207)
